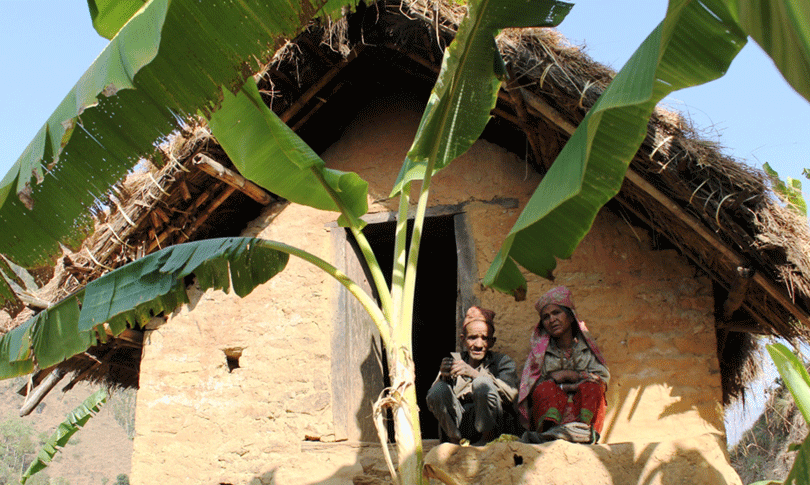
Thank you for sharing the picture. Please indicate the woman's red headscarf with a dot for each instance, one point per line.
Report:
(540, 338)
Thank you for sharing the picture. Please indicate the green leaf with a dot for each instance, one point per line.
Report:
(795, 376)
(799, 473)
(155, 283)
(134, 293)
(18, 274)
(59, 323)
(72, 423)
(469, 80)
(169, 61)
(9, 278)
(110, 15)
(791, 189)
(15, 353)
(782, 29)
(694, 44)
(270, 154)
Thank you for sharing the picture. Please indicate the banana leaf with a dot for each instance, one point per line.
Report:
(790, 189)
(782, 29)
(131, 295)
(169, 61)
(15, 351)
(797, 380)
(468, 83)
(694, 44)
(74, 421)
(795, 376)
(268, 152)
(110, 15)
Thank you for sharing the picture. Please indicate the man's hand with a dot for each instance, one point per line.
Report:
(446, 369)
(452, 368)
(461, 368)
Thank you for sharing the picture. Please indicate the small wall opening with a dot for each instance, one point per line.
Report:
(232, 356)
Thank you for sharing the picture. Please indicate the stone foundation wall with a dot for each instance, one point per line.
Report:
(199, 420)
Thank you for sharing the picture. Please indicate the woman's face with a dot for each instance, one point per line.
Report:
(556, 320)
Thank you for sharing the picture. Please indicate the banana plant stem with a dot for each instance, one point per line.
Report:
(400, 237)
(365, 248)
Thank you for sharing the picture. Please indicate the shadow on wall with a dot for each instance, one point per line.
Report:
(699, 460)
(694, 460)
(557, 463)
(664, 409)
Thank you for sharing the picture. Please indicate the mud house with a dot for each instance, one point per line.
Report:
(680, 271)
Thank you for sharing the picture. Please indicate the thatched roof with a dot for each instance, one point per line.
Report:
(719, 213)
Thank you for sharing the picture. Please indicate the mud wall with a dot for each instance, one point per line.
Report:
(200, 419)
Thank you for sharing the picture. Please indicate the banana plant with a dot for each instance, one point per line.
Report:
(455, 116)
(790, 189)
(797, 380)
(74, 421)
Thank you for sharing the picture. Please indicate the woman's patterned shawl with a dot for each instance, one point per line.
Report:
(539, 340)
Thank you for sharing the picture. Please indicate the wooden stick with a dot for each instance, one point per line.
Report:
(516, 96)
(547, 111)
(161, 214)
(315, 108)
(210, 210)
(185, 192)
(285, 78)
(736, 294)
(314, 48)
(204, 196)
(323, 81)
(507, 116)
(218, 171)
(418, 59)
(155, 220)
(34, 398)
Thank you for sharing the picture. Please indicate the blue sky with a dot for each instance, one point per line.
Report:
(752, 112)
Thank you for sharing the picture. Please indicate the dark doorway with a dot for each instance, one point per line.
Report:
(434, 326)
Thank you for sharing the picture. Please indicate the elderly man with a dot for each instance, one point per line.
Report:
(474, 389)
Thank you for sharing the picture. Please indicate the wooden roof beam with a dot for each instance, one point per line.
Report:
(218, 171)
(548, 112)
(321, 103)
(513, 89)
(772, 290)
(744, 326)
(322, 82)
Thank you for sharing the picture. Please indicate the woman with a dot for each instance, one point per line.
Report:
(565, 376)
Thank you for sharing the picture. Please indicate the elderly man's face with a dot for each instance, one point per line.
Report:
(478, 339)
